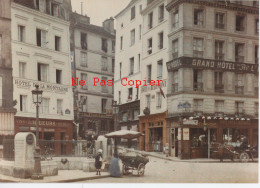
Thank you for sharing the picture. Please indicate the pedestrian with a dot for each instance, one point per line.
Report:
(98, 161)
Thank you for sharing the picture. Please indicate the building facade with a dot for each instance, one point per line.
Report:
(212, 93)
(153, 104)
(6, 84)
(41, 55)
(129, 28)
(93, 49)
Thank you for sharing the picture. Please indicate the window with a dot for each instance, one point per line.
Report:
(83, 62)
(139, 62)
(239, 84)
(239, 108)
(136, 114)
(175, 19)
(59, 106)
(140, 8)
(122, 25)
(159, 100)
(197, 79)
(149, 73)
(0, 47)
(21, 33)
(104, 106)
(104, 64)
(175, 82)
(240, 25)
(43, 72)
(160, 45)
(57, 43)
(44, 106)
(119, 97)
(104, 45)
(58, 76)
(23, 102)
(239, 52)
(22, 69)
(120, 70)
(256, 82)
(198, 47)
(121, 43)
(132, 37)
(198, 17)
(256, 3)
(175, 49)
(148, 101)
(113, 65)
(133, 13)
(256, 54)
(161, 13)
(198, 105)
(219, 86)
(1, 91)
(84, 77)
(159, 69)
(132, 62)
(257, 26)
(140, 32)
(219, 106)
(83, 41)
(54, 9)
(256, 109)
(104, 88)
(219, 22)
(137, 93)
(150, 20)
(150, 46)
(83, 103)
(130, 94)
(41, 38)
(37, 4)
(113, 46)
(103, 125)
(219, 50)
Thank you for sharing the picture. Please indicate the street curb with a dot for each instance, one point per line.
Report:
(59, 181)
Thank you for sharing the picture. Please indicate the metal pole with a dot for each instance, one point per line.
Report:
(209, 143)
(37, 124)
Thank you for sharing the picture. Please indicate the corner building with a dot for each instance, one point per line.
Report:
(212, 93)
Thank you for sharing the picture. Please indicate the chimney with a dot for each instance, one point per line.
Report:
(108, 25)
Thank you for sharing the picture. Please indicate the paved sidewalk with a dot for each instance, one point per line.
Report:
(62, 177)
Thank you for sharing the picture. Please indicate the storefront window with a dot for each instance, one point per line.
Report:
(198, 138)
(234, 135)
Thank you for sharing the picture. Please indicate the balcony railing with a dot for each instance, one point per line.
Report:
(219, 88)
(198, 87)
(220, 25)
(175, 55)
(239, 90)
(175, 88)
(239, 59)
(197, 53)
(219, 113)
(240, 112)
(219, 56)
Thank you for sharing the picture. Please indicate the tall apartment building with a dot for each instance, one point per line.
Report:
(6, 84)
(93, 48)
(153, 103)
(129, 29)
(213, 75)
(41, 55)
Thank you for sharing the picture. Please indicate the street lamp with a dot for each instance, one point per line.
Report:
(37, 99)
(115, 112)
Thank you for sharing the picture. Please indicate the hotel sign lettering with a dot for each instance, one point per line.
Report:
(211, 64)
(33, 122)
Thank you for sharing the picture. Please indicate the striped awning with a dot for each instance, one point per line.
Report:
(6, 123)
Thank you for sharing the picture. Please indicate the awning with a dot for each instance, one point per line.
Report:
(6, 123)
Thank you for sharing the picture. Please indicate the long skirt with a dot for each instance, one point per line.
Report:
(114, 168)
(98, 164)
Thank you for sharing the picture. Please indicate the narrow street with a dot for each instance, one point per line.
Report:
(162, 171)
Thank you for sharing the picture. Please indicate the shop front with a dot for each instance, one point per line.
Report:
(55, 133)
(154, 128)
(193, 138)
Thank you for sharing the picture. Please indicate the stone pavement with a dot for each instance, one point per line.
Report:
(62, 177)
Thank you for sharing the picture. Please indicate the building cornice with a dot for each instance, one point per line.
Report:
(151, 6)
(216, 4)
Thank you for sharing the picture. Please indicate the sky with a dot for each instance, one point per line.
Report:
(99, 10)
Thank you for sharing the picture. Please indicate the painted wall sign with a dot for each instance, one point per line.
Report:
(211, 64)
(190, 122)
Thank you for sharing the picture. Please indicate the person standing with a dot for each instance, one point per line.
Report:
(98, 161)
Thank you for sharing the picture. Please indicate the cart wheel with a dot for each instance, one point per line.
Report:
(125, 171)
(244, 157)
(141, 169)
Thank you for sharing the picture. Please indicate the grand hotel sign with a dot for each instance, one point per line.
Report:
(200, 63)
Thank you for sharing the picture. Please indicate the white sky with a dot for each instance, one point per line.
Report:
(99, 10)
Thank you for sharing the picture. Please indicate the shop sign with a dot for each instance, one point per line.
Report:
(186, 133)
(190, 122)
(97, 115)
(211, 64)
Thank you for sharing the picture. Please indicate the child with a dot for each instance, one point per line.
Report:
(98, 161)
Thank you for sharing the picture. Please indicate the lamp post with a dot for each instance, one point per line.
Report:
(115, 112)
(37, 99)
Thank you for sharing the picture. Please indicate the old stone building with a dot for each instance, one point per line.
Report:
(212, 75)
(92, 50)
